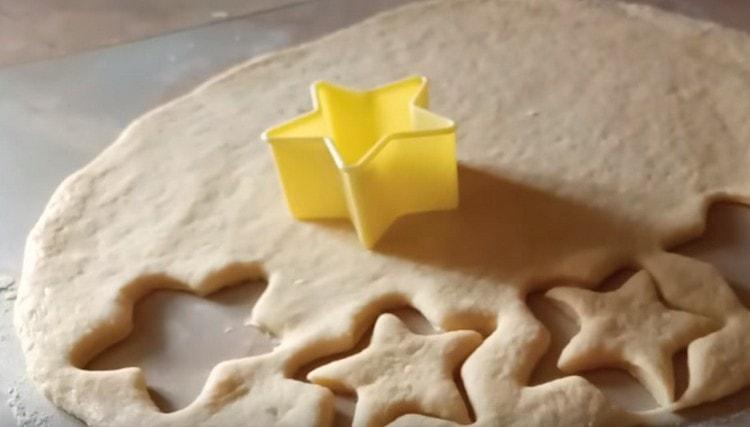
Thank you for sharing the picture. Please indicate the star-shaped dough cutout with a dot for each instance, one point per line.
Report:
(371, 156)
(401, 372)
(631, 329)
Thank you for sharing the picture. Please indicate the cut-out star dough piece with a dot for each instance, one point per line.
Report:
(699, 287)
(401, 372)
(629, 328)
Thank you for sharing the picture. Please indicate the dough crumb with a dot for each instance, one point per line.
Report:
(23, 416)
(6, 281)
(7, 288)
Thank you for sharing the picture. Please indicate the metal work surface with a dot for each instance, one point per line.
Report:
(56, 115)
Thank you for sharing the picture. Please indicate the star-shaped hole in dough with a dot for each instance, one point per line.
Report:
(401, 372)
(178, 338)
(629, 328)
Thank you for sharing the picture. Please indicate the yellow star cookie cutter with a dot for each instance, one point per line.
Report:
(371, 156)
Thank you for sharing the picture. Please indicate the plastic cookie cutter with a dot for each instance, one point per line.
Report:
(371, 156)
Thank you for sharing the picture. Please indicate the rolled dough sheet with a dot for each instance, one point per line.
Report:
(592, 136)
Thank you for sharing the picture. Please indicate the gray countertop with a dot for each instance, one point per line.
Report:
(56, 115)
(43, 29)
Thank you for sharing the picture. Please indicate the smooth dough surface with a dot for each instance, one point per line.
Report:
(592, 136)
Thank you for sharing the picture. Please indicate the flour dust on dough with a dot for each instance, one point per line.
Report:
(591, 136)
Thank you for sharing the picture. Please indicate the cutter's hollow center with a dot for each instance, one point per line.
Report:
(357, 121)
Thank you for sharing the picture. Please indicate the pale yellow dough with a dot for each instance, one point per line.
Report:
(591, 137)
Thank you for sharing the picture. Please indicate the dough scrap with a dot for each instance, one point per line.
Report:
(400, 371)
(590, 136)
